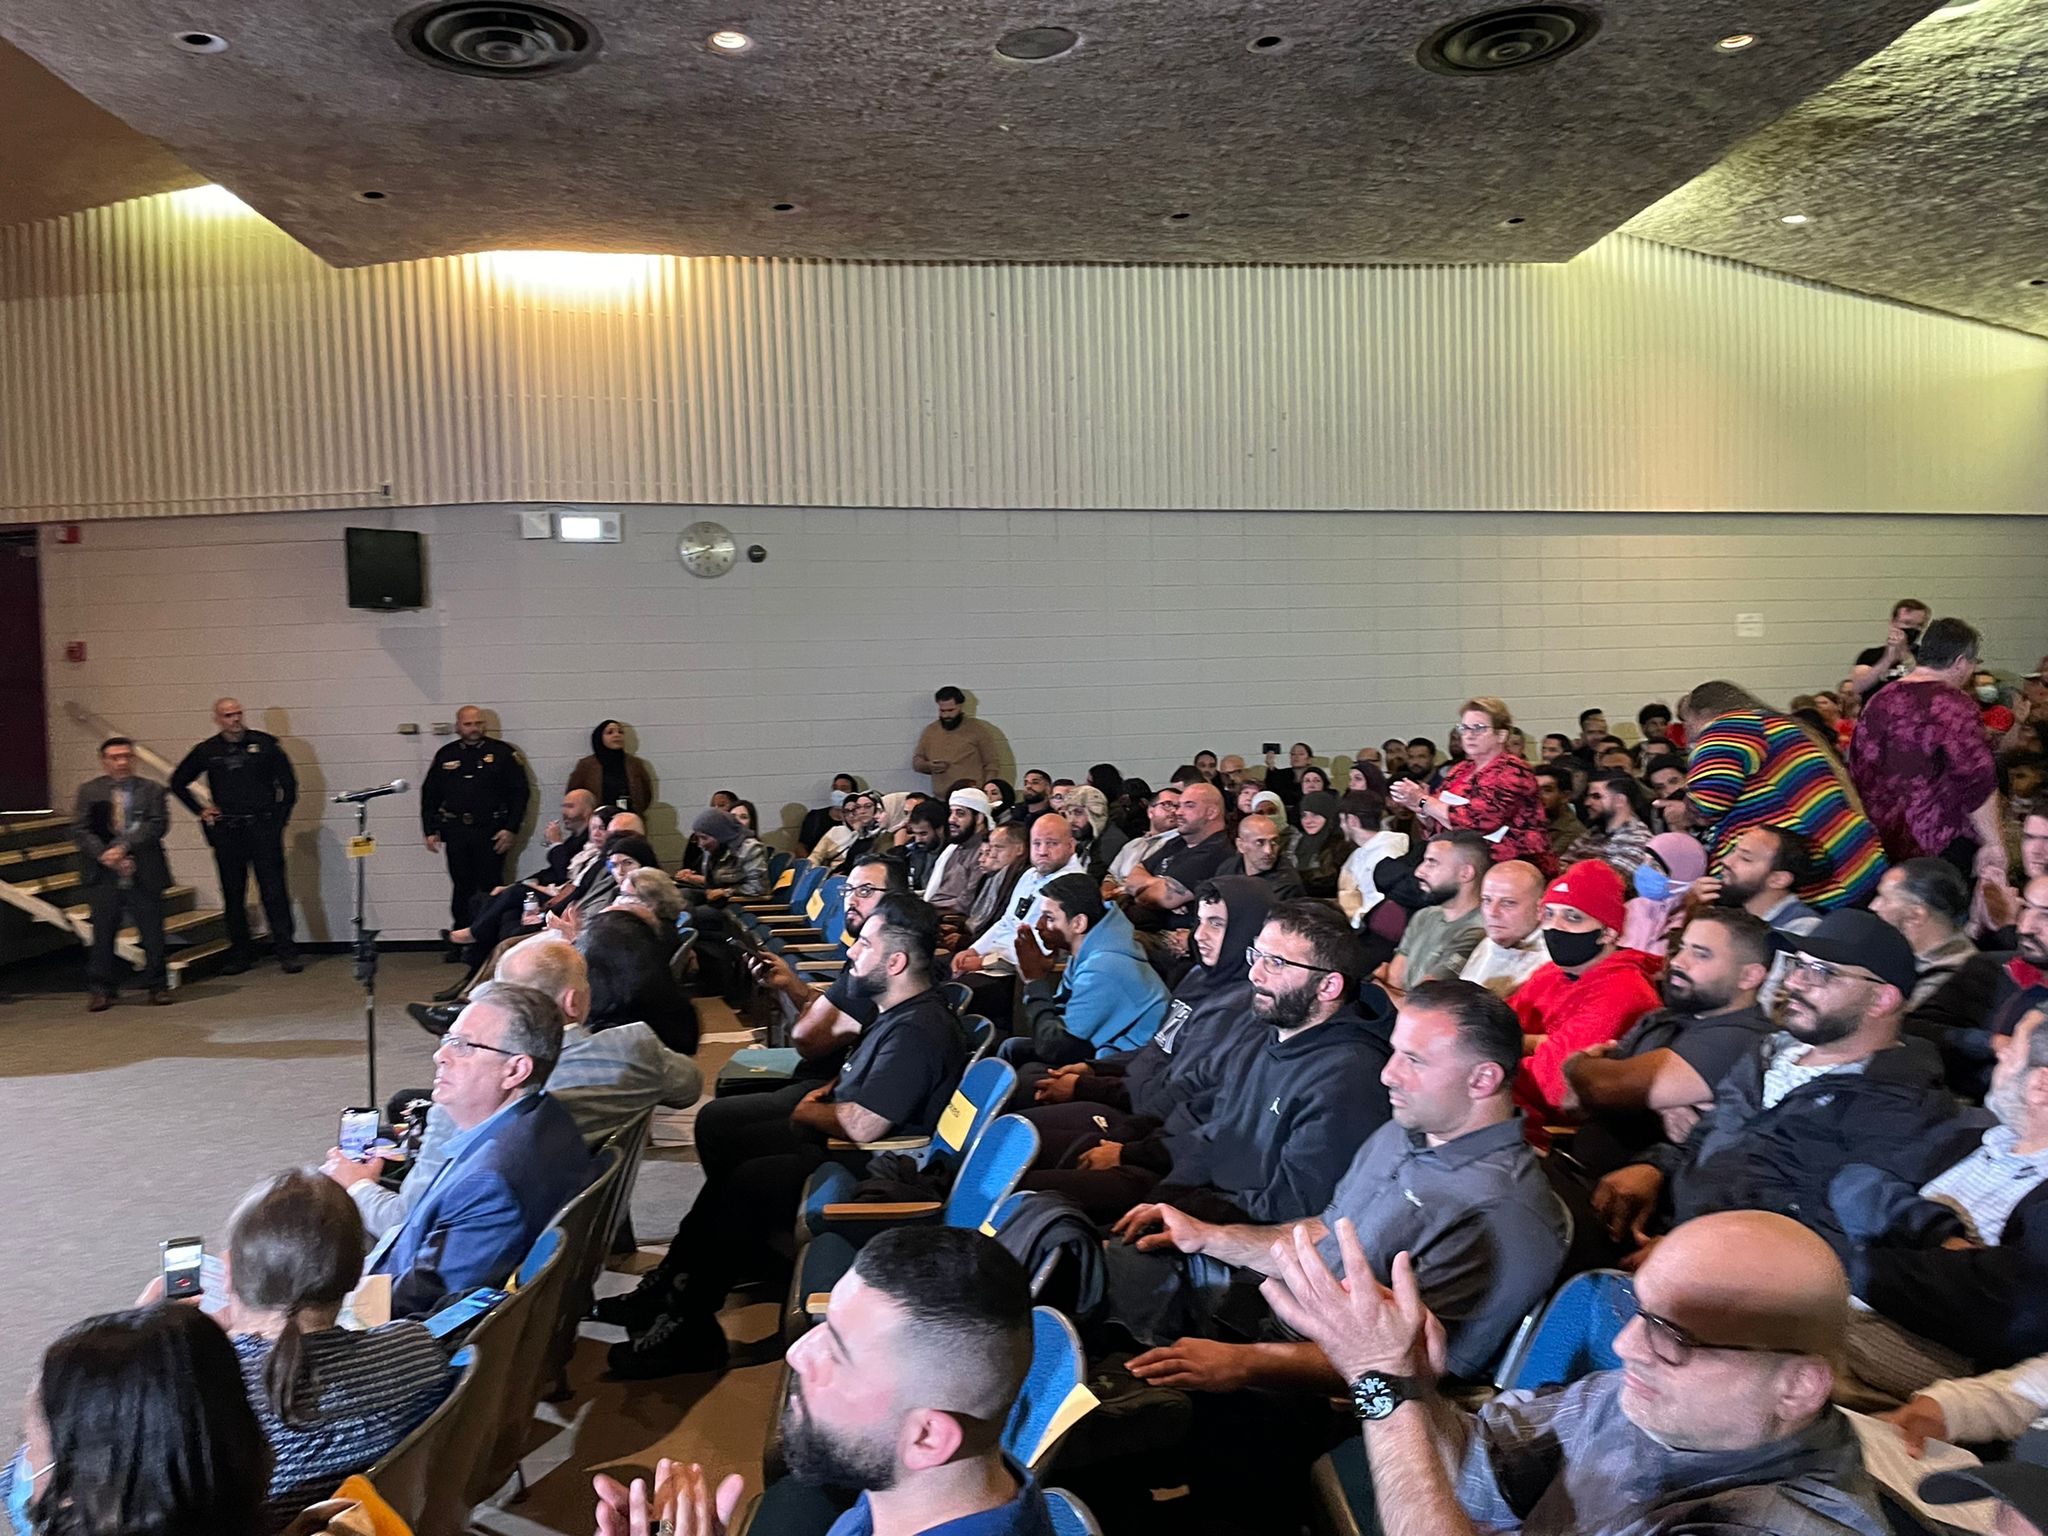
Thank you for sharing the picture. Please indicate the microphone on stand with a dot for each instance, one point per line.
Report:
(358, 796)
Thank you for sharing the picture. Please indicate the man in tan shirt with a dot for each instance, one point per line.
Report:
(955, 747)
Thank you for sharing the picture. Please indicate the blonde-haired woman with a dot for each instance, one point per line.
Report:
(1488, 790)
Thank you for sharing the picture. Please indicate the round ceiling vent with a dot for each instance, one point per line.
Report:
(1514, 38)
(515, 41)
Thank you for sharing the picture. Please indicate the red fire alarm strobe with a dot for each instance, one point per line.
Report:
(68, 533)
(74, 651)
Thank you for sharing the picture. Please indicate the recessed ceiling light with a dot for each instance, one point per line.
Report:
(1735, 42)
(730, 40)
(1795, 218)
(2034, 282)
(785, 207)
(1266, 43)
(200, 42)
(1178, 218)
(1034, 45)
(370, 197)
(1514, 219)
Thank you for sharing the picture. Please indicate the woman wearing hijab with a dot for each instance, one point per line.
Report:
(1319, 853)
(1002, 800)
(856, 833)
(614, 776)
(1656, 910)
(1133, 1101)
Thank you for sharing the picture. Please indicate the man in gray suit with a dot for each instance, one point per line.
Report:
(119, 824)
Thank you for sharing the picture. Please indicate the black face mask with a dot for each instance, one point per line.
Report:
(1571, 950)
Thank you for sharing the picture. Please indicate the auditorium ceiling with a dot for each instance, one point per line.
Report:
(1888, 147)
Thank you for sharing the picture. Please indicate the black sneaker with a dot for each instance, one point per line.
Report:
(234, 965)
(289, 962)
(671, 1347)
(638, 1308)
(432, 1017)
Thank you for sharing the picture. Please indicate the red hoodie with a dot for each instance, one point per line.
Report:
(1599, 1004)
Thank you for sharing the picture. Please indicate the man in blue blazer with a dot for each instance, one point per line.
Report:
(516, 1160)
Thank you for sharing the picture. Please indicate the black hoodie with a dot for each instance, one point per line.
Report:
(1285, 1127)
(1208, 1033)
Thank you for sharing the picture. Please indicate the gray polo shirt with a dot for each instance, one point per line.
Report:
(1478, 1218)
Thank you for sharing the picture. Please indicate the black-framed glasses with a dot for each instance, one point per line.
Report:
(1255, 956)
(1826, 970)
(863, 892)
(459, 1045)
(1675, 1345)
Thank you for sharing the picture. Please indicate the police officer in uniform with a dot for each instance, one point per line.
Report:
(471, 804)
(253, 789)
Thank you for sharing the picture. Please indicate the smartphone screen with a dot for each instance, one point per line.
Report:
(358, 1130)
(182, 1258)
(1271, 746)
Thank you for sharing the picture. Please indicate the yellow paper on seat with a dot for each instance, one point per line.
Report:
(815, 905)
(784, 880)
(954, 1123)
(1078, 1404)
(368, 1305)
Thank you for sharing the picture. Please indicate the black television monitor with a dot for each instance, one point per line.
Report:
(387, 568)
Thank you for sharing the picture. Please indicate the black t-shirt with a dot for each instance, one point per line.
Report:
(1711, 1046)
(1191, 865)
(906, 1065)
(1875, 654)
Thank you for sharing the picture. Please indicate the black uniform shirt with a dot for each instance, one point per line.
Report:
(485, 782)
(250, 777)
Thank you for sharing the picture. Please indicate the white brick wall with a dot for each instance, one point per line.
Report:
(1136, 637)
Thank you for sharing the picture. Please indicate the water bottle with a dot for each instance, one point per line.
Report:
(532, 908)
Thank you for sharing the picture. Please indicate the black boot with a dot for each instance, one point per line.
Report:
(637, 1309)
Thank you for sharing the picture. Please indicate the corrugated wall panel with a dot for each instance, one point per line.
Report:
(164, 358)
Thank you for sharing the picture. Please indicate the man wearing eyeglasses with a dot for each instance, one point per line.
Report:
(1718, 1419)
(515, 1160)
(1836, 1085)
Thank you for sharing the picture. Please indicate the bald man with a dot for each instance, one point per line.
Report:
(251, 789)
(1718, 1419)
(471, 804)
(1160, 893)
(1511, 908)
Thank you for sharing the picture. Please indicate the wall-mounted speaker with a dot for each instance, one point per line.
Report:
(387, 568)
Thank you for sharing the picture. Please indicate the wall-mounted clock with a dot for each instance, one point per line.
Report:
(707, 549)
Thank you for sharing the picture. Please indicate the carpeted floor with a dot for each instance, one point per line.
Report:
(143, 1123)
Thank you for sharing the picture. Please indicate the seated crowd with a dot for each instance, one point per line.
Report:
(1344, 1067)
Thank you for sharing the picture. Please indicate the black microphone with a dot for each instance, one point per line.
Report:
(357, 796)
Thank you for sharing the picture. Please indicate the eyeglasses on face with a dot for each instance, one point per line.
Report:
(863, 892)
(1675, 1345)
(1254, 957)
(460, 1046)
(1825, 971)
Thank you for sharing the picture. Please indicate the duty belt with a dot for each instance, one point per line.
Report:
(469, 820)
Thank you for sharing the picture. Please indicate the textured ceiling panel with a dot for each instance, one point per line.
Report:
(1921, 175)
(60, 153)
(897, 132)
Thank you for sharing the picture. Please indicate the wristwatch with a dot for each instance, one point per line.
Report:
(1375, 1395)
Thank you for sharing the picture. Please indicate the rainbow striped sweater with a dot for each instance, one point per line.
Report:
(1752, 769)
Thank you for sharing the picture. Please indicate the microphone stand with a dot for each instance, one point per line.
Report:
(366, 956)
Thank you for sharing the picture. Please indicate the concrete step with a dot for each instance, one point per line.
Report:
(197, 960)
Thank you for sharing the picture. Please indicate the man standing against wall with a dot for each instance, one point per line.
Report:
(956, 746)
(253, 790)
(118, 824)
(471, 804)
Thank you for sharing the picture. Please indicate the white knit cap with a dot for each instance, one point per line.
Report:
(973, 799)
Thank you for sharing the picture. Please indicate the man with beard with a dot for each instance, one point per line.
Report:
(1160, 892)
(1656, 1082)
(901, 1395)
(1283, 1131)
(995, 952)
(1836, 1085)
(1620, 831)
(1441, 937)
(1587, 994)
(927, 827)
(1717, 1421)
(1034, 797)
(956, 746)
(1760, 871)
(957, 870)
(896, 1081)
(1960, 1266)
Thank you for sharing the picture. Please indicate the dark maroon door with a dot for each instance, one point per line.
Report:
(24, 706)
